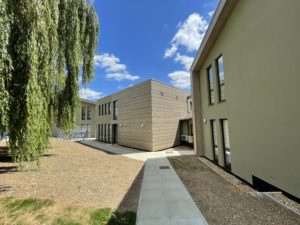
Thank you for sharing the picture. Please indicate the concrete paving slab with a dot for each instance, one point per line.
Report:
(164, 199)
(137, 154)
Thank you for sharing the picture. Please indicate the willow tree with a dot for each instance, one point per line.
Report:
(45, 44)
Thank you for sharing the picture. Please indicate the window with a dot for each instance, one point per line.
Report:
(99, 108)
(105, 109)
(226, 143)
(99, 132)
(115, 110)
(189, 104)
(101, 137)
(214, 140)
(105, 132)
(221, 81)
(210, 82)
(89, 117)
(102, 109)
(108, 132)
(109, 108)
(83, 112)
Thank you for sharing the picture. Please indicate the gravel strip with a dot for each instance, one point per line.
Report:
(229, 177)
(76, 174)
(222, 202)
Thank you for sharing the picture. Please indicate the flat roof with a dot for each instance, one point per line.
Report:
(87, 101)
(148, 80)
(215, 27)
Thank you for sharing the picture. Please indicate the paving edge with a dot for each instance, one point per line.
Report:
(268, 196)
(234, 184)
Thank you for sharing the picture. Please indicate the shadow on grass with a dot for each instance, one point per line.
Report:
(8, 169)
(126, 214)
(4, 188)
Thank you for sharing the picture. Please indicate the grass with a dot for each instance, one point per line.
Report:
(31, 211)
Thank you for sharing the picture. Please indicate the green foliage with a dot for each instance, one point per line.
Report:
(64, 221)
(28, 204)
(100, 215)
(46, 211)
(5, 63)
(43, 43)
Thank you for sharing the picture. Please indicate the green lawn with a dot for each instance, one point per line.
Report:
(32, 211)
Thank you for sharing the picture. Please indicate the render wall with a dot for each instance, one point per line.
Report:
(91, 122)
(103, 119)
(169, 105)
(260, 48)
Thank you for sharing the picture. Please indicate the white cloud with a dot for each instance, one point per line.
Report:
(189, 35)
(113, 68)
(89, 94)
(211, 13)
(171, 51)
(180, 79)
(184, 60)
(122, 76)
(121, 87)
(109, 62)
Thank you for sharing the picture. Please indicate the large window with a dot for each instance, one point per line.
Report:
(210, 82)
(109, 108)
(115, 110)
(88, 112)
(221, 80)
(101, 137)
(226, 143)
(214, 140)
(99, 108)
(108, 133)
(83, 112)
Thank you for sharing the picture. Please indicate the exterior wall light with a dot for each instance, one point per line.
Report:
(142, 125)
(204, 120)
(120, 125)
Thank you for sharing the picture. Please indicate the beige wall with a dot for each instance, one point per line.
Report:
(260, 47)
(91, 122)
(103, 119)
(147, 120)
(79, 122)
(169, 105)
(134, 116)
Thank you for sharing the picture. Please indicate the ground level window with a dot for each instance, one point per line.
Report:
(226, 143)
(214, 140)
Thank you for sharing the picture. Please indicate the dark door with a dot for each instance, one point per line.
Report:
(114, 133)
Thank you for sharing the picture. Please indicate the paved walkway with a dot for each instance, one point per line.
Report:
(137, 154)
(164, 200)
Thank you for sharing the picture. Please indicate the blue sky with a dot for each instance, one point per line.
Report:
(143, 39)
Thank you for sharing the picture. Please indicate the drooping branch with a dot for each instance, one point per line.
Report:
(43, 45)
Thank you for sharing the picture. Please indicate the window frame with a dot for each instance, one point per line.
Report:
(115, 110)
(214, 143)
(88, 113)
(83, 112)
(226, 164)
(218, 79)
(211, 92)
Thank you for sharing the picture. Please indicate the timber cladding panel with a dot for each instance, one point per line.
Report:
(134, 116)
(169, 104)
(148, 115)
